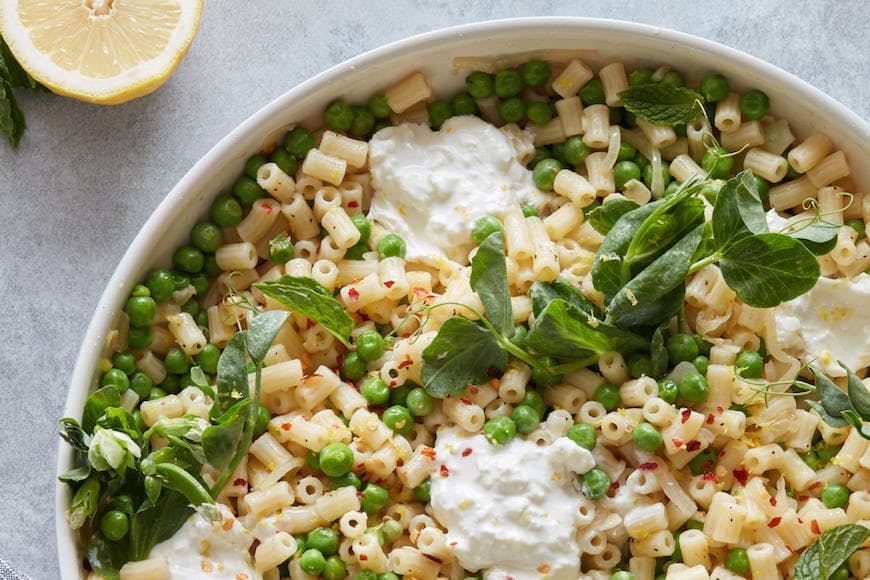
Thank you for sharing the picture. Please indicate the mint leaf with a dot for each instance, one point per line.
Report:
(10, 69)
(834, 547)
(662, 104)
(311, 299)
(12, 122)
(460, 355)
(768, 269)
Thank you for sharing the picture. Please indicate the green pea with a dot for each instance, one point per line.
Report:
(253, 164)
(299, 141)
(539, 112)
(626, 152)
(622, 575)
(140, 337)
(484, 226)
(858, 226)
(641, 76)
(500, 430)
(835, 495)
(399, 394)
(208, 358)
(544, 174)
(116, 377)
(439, 111)
(141, 384)
(157, 392)
(391, 530)
(357, 252)
(210, 266)
(180, 279)
(140, 290)
(508, 83)
(463, 104)
(338, 116)
(334, 569)
(668, 391)
(176, 361)
(160, 285)
(576, 151)
(391, 245)
(363, 122)
(754, 104)
(646, 437)
(540, 154)
(671, 189)
(717, 162)
(558, 150)
(841, 573)
(701, 363)
(674, 78)
(422, 491)
(529, 210)
(681, 347)
(737, 560)
(543, 378)
(639, 365)
(534, 400)
(363, 226)
(694, 525)
(480, 85)
(388, 576)
(595, 483)
(703, 346)
(525, 418)
(399, 419)
(375, 390)
(353, 368)
(285, 161)
(761, 186)
(365, 575)
(608, 395)
(324, 540)
(226, 211)
(704, 462)
(200, 282)
(535, 72)
(811, 458)
(191, 307)
(374, 498)
(694, 388)
(124, 361)
(419, 402)
(714, 88)
(583, 435)
(188, 259)
(749, 364)
(647, 174)
(247, 191)
(512, 110)
(114, 525)
(348, 479)
(370, 345)
(592, 93)
(312, 561)
(140, 310)
(281, 249)
(379, 106)
(625, 171)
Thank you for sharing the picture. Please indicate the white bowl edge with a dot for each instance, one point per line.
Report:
(805, 106)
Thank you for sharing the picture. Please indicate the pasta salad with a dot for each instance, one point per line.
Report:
(563, 324)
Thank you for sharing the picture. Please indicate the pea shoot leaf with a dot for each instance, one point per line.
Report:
(607, 214)
(106, 557)
(819, 237)
(221, 440)
(658, 352)
(262, 332)
(460, 355)
(607, 271)
(97, 403)
(489, 280)
(738, 211)
(662, 103)
(859, 395)
(768, 269)
(542, 293)
(311, 299)
(232, 372)
(153, 523)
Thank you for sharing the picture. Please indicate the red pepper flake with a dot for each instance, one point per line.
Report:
(454, 543)
(685, 415)
(473, 390)
(800, 521)
(240, 482)
(428, 452)
(543, 569)
(362, 557)
(308, 419)
(803, 497)
(612, 489)
(363, 316)
(651, 466)
(353, 203)
(286, 426)
(814, 526)
(710, 419)
(360, 494)
(400, 462)
(465, 401)
(774, 522)
(678, 441)
(815, 485)
(444, 471)
(353, 294)
(741, 475)
(467, 451)
(720, 409)
(773, 501)
(421, 293)
(267, 209)
(393, 383)
(693, 445)
(709, 476)
(406, 362)
(360, 466)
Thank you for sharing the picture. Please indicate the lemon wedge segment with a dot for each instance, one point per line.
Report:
(100, 51)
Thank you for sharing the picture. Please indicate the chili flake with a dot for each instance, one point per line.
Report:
(444, 471)
(685, 415)
(814, 526)
(741, 475)
(693, 445)
(353, 293)
(651, 466)
(467, 451)
(774, 522)
(773, 501)
(389, 283)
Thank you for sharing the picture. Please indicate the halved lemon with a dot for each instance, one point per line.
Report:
(100, 51)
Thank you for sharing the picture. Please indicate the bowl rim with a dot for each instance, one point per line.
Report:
(138, 251)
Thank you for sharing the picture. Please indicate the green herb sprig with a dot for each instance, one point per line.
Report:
(833, 549)
(12, 76)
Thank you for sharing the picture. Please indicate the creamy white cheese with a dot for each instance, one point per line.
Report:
(202, 549)
(511, 510)
(431, 186)
(831, 322)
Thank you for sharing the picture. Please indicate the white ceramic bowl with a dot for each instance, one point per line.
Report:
(601, 41)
